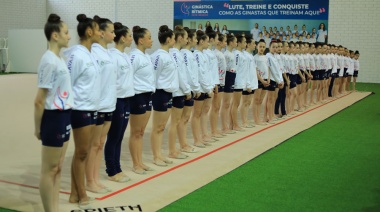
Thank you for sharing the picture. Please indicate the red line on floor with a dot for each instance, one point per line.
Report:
(190, 161)
(211, 152)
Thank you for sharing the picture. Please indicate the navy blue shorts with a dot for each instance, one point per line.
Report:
(315, 74)
(337, 72)
(293, 81)
(298, 79)
(272, 86)
(229, 82)
(261, 85)
(83, 118)
(162, 100)
(141, 103)
(190, 102)
(55, 127)
(356, 73)
(220, 88)
(345, 72)
(304, 73)
(322, 74)
(179, 102)
(103, 117)
(200, 98)
(246, 93)
(238, 90)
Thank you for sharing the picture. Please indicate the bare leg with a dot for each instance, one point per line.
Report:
(82, 141)
(182, 128)
(173, 131)
(196, 122)
(91, 158)
(138, 124)
(225, 114)
(234, 110)
(214, 114)
(160, 118)
(205, 109)
(50, 180)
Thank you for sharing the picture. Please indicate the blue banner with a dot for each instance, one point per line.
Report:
(271, 9)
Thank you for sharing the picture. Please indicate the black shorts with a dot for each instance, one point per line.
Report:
(200, 98)
(334, 75)
(83, 118)
(356, 73)
(299, 79)
(238, 90)
(190, 102)
(293, 81)
(315, 74)
(162, 100)
(220, 88)
(246, 93)
(272, 86)
(102, 117)
(345, 72)
(322, 74)
(304, 75)
(55, 127)
(261, 86)
(337, 72)
(141, 103)
(229, 83)
(179, 102)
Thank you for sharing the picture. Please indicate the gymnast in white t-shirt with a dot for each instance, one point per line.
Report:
(85, 80)
(52, 111)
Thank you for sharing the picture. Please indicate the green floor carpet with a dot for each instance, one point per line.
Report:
(334, 166)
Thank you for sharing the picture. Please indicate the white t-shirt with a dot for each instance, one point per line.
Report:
(301, 61)
(285, 62)
(255, 33)
(357, 65)
(143, 75)
(351, 66)
(222, 65)
(191, 70)
(241, 70)
(335, 63)
(312, 62)
(321, 35)
(54, 76)
(184, 87)
(293, 64)
(108, 78)
(262, 66)
(165, 71)
(124, 74)
(205, 79)
(212, 65)
(85, 78)
(276, 73)
(252, 71)
(230, 61)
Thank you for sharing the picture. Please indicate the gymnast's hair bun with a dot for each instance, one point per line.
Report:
(117, 26)
(54, 18)
(178, 27)
(163, 29)
(136, 28)
(81, 18)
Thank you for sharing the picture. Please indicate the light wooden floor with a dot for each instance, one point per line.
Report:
(20, 155)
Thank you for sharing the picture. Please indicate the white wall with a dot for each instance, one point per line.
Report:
(355, 25)
(21, 14)
(150, 14)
